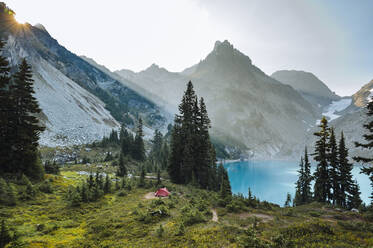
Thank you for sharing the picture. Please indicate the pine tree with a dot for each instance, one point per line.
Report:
(84, 193)
(250, 195)
(334, 177)
(156, 149)
(322, 186)
(368, 137)
(203, 144)
(107, 185)
(165, 155)
(159, 177)
(288, 200)
(345, 169)
(90, 181)
(299, 198)
(122, 170)
(354, 200)
(188, 161)
(138, 152)
(174, 165)
(27, 127)
(5, 111)
(142, 177)
(225, 187)
(51, 168)
(191, 151)
(307, 179)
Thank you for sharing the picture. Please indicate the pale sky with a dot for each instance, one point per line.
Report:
(332, 39)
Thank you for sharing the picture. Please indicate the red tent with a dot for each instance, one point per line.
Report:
(162, 192)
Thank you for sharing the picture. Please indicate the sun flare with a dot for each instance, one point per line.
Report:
(20, 19)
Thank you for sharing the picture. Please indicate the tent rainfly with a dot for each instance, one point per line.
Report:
(162, 192)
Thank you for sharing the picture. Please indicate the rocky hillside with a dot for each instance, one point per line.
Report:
(80, 102)
(361, 98)
(244, 103)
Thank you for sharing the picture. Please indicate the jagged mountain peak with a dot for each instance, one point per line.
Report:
(225, 50)
(224, 59)
(223, 45)
(154, 69)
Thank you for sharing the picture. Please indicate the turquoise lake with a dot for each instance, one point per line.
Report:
(272, 180)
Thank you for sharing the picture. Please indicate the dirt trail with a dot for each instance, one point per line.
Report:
(214, 215)
(262, 217)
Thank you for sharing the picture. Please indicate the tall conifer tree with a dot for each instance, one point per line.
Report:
(5, 109)
(345, 169)
(333, 169)
(27, 127)
(138, 152)
(322, 186)
(192, 156)
(307, 192)
(368, 137)
(299, 197)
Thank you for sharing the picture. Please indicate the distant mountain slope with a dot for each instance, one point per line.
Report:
(127, 82)
(118, 98)
(245, 104)
(311, 88)
(80, 102)
(70, 113)
(350, 120)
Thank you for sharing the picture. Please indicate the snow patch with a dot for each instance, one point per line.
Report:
(336, 106)
(369, 98)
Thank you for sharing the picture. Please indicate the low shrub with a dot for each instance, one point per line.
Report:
(192, 217)
(46, 187)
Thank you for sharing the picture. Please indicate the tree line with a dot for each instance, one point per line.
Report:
(333, 182)
(192, 155)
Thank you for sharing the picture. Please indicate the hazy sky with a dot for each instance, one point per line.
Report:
(332, 39)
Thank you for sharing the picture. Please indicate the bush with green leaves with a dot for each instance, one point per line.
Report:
(7, 193)
(193, 216)
(46, 187)
(160, 231)
(181, 229)
(27, 192)
(122, 193)
(73, 197)
(250, 240)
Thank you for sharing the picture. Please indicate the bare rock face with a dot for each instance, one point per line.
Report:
(361, 98)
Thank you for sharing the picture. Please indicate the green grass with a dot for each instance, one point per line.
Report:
(126, 221)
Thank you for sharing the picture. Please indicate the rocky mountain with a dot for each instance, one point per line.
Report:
(245, 105)
(80, 102)
(361, 98)
(353, 118)
(311, 88)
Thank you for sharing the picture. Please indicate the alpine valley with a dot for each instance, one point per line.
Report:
(252, 114)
